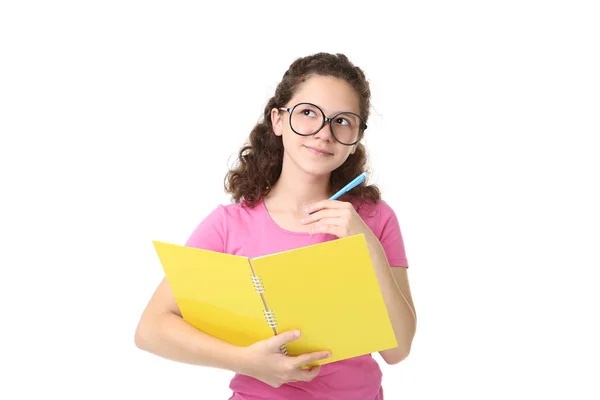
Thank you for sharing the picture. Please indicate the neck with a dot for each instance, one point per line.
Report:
(296, 189)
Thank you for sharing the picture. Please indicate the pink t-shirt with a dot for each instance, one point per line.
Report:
(251, 232)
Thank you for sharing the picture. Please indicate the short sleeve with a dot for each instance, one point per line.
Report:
(210, 233)
(390, 235)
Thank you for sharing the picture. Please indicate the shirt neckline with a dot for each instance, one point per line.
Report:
(279, 227)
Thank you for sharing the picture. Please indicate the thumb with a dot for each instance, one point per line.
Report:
(285, 337)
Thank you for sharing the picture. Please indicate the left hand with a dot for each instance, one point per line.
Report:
(335, 218)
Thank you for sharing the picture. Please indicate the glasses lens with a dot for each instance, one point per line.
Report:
(306, 119)
(346, 127)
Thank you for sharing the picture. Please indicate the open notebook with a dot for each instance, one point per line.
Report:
(328, 291)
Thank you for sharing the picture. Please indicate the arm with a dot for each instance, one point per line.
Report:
(396, 294)
(340, 219)
(162, 331)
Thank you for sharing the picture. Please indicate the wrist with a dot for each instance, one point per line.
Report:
(223, 355)
(239, 360)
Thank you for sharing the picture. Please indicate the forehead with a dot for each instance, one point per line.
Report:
(329, 93)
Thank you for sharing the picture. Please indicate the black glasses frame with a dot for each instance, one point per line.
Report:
(326, 119)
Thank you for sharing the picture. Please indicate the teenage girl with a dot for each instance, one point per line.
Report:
(307, 147)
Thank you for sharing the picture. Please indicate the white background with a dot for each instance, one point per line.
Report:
(118, 120)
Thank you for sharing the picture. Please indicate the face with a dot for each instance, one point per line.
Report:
(318, 154)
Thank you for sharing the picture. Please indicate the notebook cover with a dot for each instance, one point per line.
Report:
(328, 291)
(215, 293)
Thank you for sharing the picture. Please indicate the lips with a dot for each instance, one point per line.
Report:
(319, 151)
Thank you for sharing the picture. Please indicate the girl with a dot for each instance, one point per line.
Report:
(306, 148)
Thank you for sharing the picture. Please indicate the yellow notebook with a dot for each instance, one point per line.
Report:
(328, 291)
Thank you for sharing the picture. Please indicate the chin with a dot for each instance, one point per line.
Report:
(322, 168)
(317, 171)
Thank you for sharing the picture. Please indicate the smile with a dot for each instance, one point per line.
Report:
(318, 152)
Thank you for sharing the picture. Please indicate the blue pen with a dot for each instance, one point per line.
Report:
(355, 182)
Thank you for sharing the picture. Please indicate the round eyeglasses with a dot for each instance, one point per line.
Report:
(307, 119)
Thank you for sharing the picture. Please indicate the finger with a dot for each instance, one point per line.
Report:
(334, 230)
(319, 205)
(282, 338)
(326, 213)
(309, 374)
(308, 358)
(336, 227)
(326, 223)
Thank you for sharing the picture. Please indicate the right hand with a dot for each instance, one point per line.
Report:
(264, 361)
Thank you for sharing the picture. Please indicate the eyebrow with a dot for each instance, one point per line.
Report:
(322, 108)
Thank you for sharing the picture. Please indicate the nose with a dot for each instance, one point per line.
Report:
(325, 132)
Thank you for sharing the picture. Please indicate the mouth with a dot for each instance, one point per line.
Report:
(318, 151)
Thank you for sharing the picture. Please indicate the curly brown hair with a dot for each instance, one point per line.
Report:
(260, 160)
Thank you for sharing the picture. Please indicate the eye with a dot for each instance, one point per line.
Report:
(309, 113)
(342, 121)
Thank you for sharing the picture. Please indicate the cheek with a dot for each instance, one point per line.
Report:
(344, 152)
(290, 139)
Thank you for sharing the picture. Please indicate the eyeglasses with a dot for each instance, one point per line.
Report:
(307, 119)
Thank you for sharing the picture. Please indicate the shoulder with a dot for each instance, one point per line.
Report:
(212, 231)
(381, 218)
(375, 213)
(237, 210)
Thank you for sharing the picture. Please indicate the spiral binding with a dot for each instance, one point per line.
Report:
(284, 349)
(269, 314)
(270, 317)
(258, 284)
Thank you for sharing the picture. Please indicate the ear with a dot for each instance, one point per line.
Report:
(277, 122)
